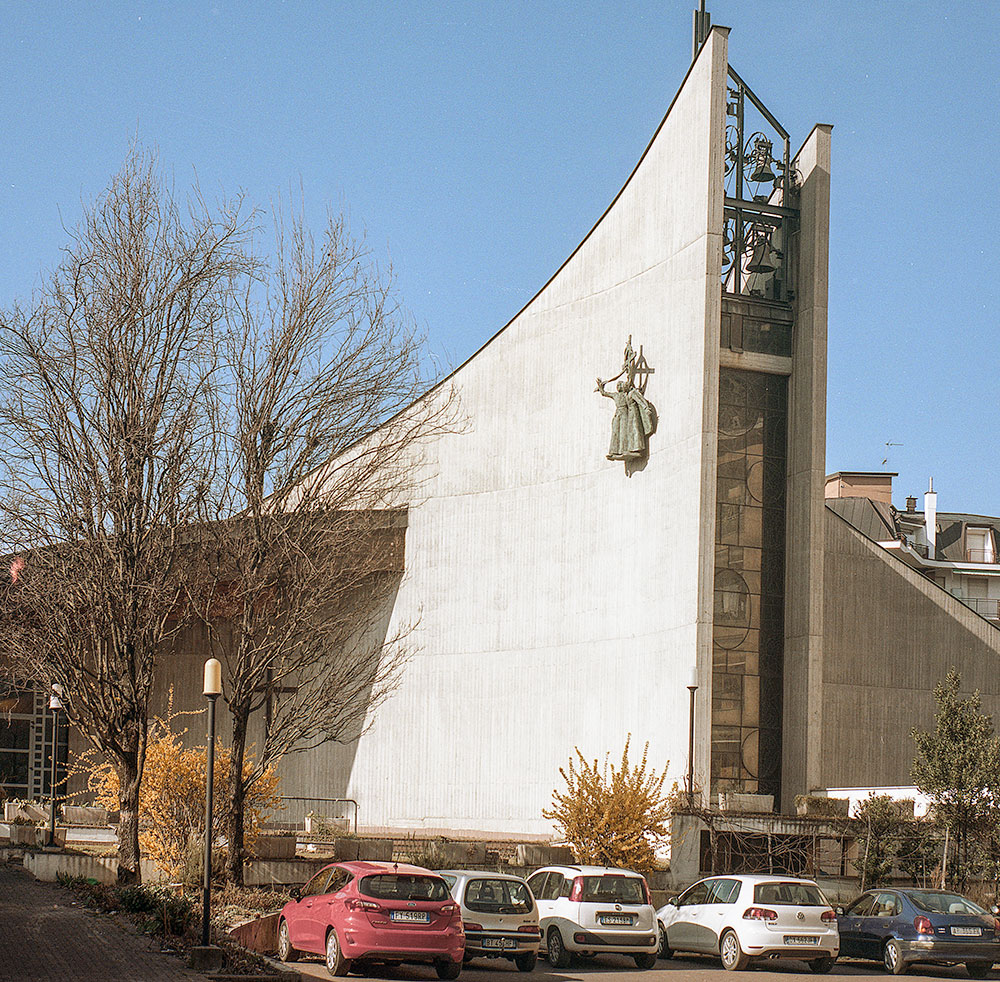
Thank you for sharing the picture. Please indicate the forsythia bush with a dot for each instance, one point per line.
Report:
(172, 795)
(612, 816)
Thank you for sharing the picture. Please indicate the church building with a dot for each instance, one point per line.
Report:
(574, 562)
(629, 533)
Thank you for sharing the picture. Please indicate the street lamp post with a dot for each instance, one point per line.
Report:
(212, 691)
(692, 688)
(55, 704)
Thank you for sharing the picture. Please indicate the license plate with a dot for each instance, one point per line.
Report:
(608, 919)
(499, 943)
(410, 916)
(804, 939)
(967, 932)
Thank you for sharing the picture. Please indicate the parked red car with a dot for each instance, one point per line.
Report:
(361, 913)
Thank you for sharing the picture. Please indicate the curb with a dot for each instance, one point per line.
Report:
(222, 977)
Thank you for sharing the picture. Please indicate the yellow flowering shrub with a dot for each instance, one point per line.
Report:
(612, 816)
(172, 795)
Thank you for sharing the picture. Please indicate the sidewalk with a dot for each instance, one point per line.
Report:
(44, 937)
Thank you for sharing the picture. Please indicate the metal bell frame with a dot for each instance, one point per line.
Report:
(760, 191)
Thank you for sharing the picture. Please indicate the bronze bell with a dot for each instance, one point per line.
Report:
(760, 260)
(761, 156)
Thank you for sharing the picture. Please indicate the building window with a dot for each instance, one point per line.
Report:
(17, 714)
(979, 545)
(26, 743)
(977, 587)
(748, 624)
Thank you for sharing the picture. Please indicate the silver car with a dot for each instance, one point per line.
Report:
(499, 915)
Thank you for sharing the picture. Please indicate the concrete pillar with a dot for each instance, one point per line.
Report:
(803, 669)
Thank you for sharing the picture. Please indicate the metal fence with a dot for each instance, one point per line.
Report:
(990, 609)
(295, 809)
(980, 556)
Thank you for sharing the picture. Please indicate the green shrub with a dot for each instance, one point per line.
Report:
(191, 871)
(156, 910)
(172, 915)
(137, 899)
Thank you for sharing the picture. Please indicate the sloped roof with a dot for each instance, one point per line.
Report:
(950, 543)
(873, 519)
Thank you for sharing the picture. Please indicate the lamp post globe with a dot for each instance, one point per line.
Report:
(213, 678)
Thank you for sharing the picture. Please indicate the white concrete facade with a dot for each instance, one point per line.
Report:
(562, 603)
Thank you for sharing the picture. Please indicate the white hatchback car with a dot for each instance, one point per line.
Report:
(499, 915)
(589, 909)
(745, 917)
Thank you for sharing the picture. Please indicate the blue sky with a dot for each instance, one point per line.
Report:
(477, 143)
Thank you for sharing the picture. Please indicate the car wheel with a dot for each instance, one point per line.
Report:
(557, 954)
(285, 950)
(336, 963)
(734, 959)
(892, 957)
(821, 965)
(526, 962)
(664, 951)
(978, 970)
(448, 970)
(646, 959)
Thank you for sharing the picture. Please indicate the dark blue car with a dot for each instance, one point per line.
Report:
(908, 925)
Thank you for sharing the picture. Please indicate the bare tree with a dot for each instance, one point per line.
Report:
(105, 378)
(322, 418)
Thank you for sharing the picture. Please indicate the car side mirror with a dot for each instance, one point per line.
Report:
(839, 910)
(295, 893)
(673, 902)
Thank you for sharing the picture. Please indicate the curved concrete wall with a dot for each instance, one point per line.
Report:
(560, 602)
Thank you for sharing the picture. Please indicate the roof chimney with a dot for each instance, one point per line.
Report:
(911, 504)
(930, 519)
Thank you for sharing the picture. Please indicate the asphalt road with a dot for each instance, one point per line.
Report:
(612, 968)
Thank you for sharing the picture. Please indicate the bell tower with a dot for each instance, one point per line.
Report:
(768, 569)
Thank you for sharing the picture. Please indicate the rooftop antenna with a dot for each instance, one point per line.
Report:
(889, 443)
(702, 25)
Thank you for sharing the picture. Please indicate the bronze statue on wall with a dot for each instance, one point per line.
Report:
(634, 421)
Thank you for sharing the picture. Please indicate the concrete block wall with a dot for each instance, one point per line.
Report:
(890, 636)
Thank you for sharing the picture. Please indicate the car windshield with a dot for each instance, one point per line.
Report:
(403, 886)
(497, 896)
(943, 903)
(791, 894)
(613, 889)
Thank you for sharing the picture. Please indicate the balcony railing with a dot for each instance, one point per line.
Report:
(990, 609)
(979, 556)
